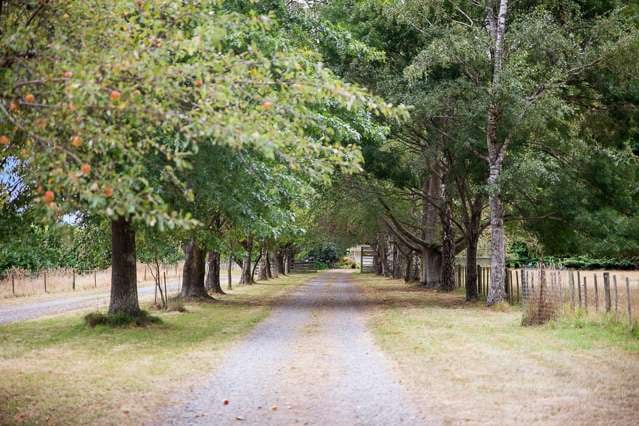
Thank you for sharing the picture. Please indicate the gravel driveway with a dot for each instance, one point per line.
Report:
(311, 362)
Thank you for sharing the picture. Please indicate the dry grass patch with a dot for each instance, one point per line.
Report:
(465, 363)
(60, 371)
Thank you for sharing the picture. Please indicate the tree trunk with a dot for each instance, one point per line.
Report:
(448, 242)
(194, 271)
(396, 261)
(229, 273)
(273, 265)
(290, 257)
(263, 265)
(269, 270)
(213, 277)
(431, 259)
(247, 272)
(124, 286)
(497, 239)
(379, 266)
(472, 240)
(409, 267)
(496, 152)
(279, 260)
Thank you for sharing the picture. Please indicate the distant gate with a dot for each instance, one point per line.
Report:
(367, 259)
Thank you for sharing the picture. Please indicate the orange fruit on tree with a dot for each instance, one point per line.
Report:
(267, 105)
(29, 98)
(13, 106)
(48, 197)
(4, 140)
(115, 95)
(76, 141)
(68, 74)
(198, 83)
(85, 169)
(108, 191)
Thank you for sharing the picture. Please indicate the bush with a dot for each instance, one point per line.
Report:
(520, 256)
(143, 319)
(346, 263)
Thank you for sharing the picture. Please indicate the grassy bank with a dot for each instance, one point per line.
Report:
(465, 363)
(60, 371)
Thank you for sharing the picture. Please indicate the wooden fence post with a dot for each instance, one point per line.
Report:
(13, 283)
(596, 293)
(95, 279)
(561, 291)
(579, 289)
(614, 279)
(572, 290)
(586, 294)
(628, 300)
(479, 279)
(45, 281)
(532, 281)
(606, 277)
(510, 285)
(73, 279)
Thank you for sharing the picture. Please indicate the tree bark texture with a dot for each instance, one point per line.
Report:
(448, 241)
(213, 277)
(431, 259)
(124, 286)
(273, 264)
(194, 271)
(279, 260)
(263, 266)
(496, 151)
(247, 273)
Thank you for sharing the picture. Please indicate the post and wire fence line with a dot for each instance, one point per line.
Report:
(19, 283)
(547, 292)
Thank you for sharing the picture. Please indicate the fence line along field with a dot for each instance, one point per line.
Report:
(550, 292)
(19, 283)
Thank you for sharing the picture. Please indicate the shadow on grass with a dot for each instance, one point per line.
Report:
(371, 291)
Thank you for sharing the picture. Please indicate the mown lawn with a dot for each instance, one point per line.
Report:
(465, 363)
(60, 371)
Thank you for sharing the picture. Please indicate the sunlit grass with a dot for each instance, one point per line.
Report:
(60, 371)
(467, 363)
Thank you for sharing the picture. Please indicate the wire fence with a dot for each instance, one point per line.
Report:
(19, 283)
(547, 292)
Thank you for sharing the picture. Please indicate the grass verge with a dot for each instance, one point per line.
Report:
(465, 363)
(60, 371)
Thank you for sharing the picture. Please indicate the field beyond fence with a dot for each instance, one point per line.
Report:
(547, 292)
(18, 283)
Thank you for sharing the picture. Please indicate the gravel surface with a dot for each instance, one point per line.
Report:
(65, 303)
(311, 362)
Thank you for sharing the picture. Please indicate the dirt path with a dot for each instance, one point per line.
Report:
(311, 362)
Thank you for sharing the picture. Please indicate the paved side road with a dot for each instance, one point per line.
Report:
(66, 302)
(312, 362)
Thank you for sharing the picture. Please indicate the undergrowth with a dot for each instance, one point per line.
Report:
(142, 319)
